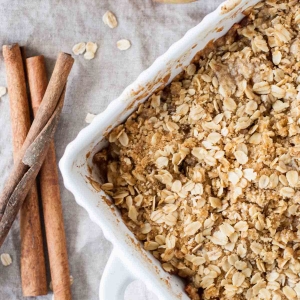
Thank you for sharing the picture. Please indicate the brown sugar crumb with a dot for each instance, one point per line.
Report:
(206, 172)
(192, 292)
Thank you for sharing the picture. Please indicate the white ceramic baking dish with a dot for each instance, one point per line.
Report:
(128, 260)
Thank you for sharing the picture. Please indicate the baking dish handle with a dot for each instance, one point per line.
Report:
(115, 279)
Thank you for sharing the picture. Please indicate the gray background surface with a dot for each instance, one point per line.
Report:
(47, 27)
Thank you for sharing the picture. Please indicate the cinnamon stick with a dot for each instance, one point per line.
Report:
(33, 157)
(33, 271)
(47, 117)
(54, 90)
(50, 193)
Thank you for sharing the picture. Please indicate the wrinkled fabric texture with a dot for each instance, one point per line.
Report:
(47, 27)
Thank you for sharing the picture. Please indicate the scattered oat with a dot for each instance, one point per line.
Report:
(289, 292)
(263, 181)
(280, 106)
(89, 55)
(191, 69)
(78, 49)
(123, 44)
(145, 228)
(249, 174)
(123, 138)
(277, 92)
(215, 202)
(276, 56)
(91, 47)
(233, 177)
(110, 19)
(241, 157)
(229, 104)
(3, 91)
(96, 185)
(287, 192)
(241, 226)
(6, 259)
(132, 213)
(292, 178)
(238, 278)
(227, 229)
(151, 245)
(192, 228)
(261, 88)
(89, 118)
(107, 186)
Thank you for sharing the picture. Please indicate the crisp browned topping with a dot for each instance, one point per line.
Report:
(206, 172)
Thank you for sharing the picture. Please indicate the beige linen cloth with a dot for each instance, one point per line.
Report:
(47, 27)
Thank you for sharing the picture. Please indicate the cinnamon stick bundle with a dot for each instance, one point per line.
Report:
(50, 193)
(35, 147)
(33, 271)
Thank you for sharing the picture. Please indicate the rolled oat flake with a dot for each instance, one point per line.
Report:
(123, 44)
(5, 259)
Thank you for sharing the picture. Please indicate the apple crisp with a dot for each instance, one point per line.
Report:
(206, 172)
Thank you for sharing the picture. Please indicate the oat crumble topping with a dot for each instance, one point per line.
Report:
(206, 172)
